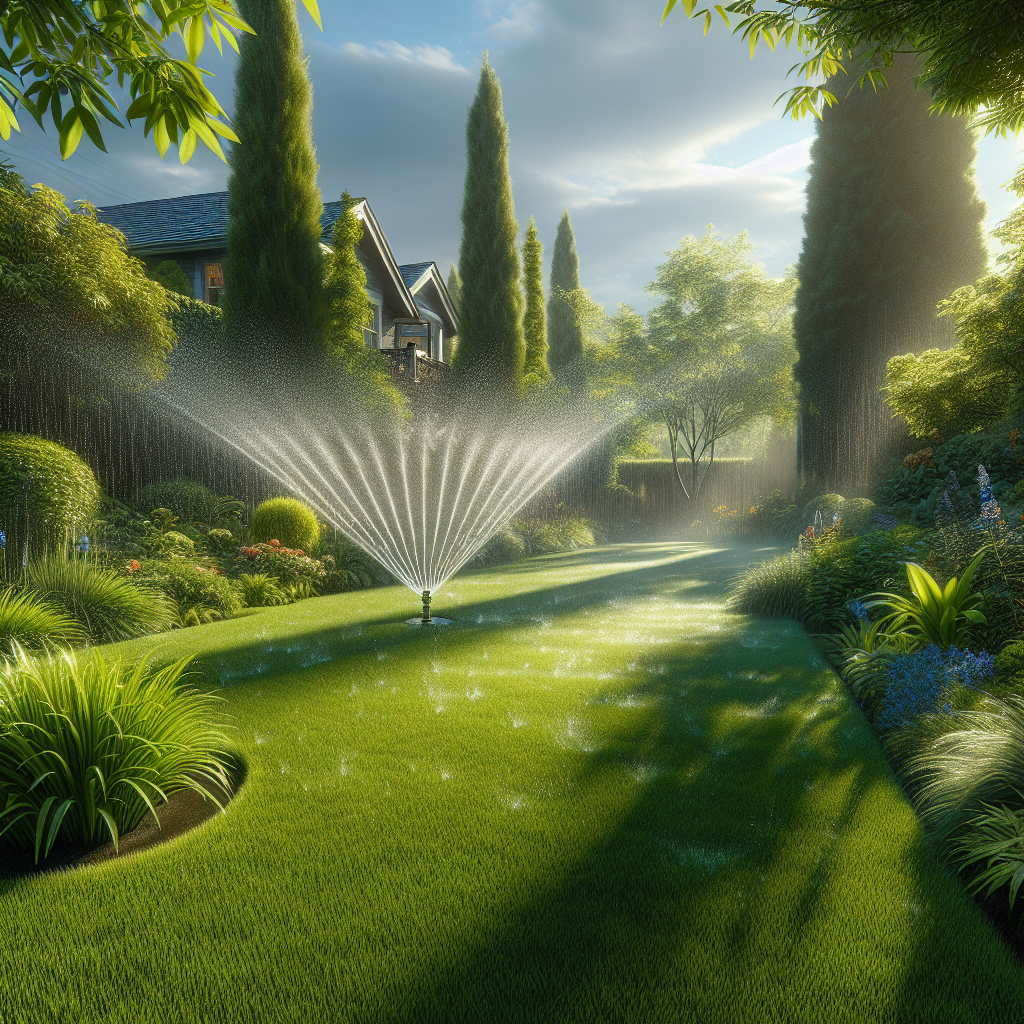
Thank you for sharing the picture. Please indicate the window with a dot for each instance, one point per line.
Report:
(371, 333)
(213, 283)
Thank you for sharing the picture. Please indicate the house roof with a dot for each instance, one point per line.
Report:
(194, 223)
(427, 286)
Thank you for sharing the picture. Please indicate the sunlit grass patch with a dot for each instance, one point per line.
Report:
(597, 796)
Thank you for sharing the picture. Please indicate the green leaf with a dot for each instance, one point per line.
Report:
(111, 824)
(314, 11)
(7, 120)
(161, 136)
(92, 128)
(70, 133)
(188, 146)
(41, 822)
(194, 36)
(55, 825)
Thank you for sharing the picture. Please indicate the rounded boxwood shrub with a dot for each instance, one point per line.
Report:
(856, 514)
(189, 500)
(90, 747)
(286, 520)
(48, 495)
(827, 504)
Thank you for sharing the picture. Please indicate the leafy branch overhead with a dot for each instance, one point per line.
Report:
(972, 50)
(59, 56)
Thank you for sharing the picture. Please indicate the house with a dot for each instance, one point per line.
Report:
(411, 304)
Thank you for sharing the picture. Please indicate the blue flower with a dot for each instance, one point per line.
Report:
(984, 484)
(944, 512)
(991, 513)
(952, 483)
(859, 610)
(919, 682)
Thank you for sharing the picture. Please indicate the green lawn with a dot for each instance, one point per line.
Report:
(598, 796)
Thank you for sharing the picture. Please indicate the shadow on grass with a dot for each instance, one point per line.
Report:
(722, 892)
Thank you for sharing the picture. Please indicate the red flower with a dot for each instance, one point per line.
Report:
(274, 543)
(215, 570)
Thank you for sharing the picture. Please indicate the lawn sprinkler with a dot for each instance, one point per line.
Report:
(426, 619)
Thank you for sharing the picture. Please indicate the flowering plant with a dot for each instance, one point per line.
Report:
(289, 566)
(919, 681)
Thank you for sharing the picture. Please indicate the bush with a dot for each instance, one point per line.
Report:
(172, 277)
(857, 515)
(286, 520)
(90, 747)
(187, 500)
(289, 566)
(108, 606)
(257, 590)
(220, 542)
(505, 546)
(1009, 668)
(777, 587)
(566, 533)
(827, 504)
(28, 621)
(349, 567)
(851, 568)
(199, 593)
(919, 682)
(48, 495)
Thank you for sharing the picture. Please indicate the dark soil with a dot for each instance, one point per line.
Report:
(184, 811)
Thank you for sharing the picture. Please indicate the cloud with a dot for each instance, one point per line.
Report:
(436, 57)
(518, 20)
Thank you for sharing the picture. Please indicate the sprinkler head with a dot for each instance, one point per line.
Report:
(426, 607)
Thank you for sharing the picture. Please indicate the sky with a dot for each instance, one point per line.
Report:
(645, 132)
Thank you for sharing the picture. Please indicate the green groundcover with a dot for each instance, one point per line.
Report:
(598, 796)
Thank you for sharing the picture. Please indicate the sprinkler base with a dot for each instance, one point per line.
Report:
(434, 620)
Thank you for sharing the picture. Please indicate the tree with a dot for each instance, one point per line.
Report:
(454, 286)
(973, 50)
(717, 352)
(348, 306)
(172, 277)
(535, 368)
(892, 225)
(565, 337)
(68, 284)
(71, 48)
(943, 390)
(364, 374)
(491, 345)
(273, 273)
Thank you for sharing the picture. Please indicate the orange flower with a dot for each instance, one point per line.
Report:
(133, 565)
(274, 543)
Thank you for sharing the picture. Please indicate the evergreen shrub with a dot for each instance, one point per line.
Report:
(188, 500)
(827, 504)
(199, 593)
(1009, 670)
(856, 514)
(286, 520)
(349, 567)
(505, 546)
(777, 587)
(172, 277)
(90, 747)
(220, 542)
(48, 495)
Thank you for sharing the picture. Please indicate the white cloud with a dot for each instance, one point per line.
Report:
(427, 54)
(518, 20)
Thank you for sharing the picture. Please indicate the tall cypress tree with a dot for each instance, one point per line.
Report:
(348, 309)
(491, 345)
(454, 286)
(892, 225)
(273, 273)
(535, 367)
(565, 335)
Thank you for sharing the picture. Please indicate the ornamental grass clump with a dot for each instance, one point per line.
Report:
(108, 606)
(28, 621)
(89, 747)
(777, 587)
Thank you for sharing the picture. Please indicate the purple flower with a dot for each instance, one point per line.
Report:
(945, 513)
(952, 483)
(991, 513)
